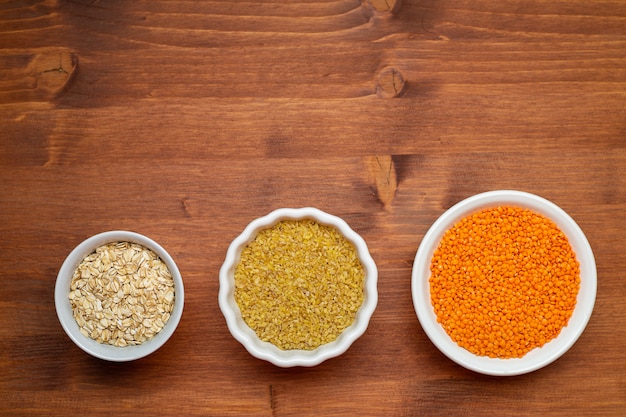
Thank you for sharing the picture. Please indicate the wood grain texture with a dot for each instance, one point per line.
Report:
(185, 120)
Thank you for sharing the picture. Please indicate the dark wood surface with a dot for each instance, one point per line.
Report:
(185, 120)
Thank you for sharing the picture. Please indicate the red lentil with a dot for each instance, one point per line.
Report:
(504, 281)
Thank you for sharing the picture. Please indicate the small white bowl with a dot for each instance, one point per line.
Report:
(64, 308)
(265, 350)
(536, 358)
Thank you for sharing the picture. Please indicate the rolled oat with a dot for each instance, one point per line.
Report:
(122, 294)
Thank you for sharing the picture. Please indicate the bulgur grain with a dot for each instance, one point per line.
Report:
(299, 284)
(504, 281)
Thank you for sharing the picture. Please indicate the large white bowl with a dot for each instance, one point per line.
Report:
(539, 357)
(265, 350)
(64, 308)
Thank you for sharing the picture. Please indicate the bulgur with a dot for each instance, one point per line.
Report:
(299, 284)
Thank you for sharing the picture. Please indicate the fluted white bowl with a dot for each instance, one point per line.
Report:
(265, 350)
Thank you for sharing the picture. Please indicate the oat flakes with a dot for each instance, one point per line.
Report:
(122, 294)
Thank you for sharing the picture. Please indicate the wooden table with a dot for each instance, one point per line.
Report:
(185, 120)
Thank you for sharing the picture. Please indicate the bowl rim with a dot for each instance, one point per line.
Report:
(265, 350)
(539, 357)
(64, 309)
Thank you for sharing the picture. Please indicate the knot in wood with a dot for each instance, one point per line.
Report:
(385, 5)
(390, 83)
(53, 69)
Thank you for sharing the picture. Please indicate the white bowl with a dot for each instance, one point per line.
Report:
(64, 308)
(265, 350)
(536, 358)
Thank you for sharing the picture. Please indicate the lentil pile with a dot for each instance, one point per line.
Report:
(122, 294)
(504, 281)
(299, 284)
